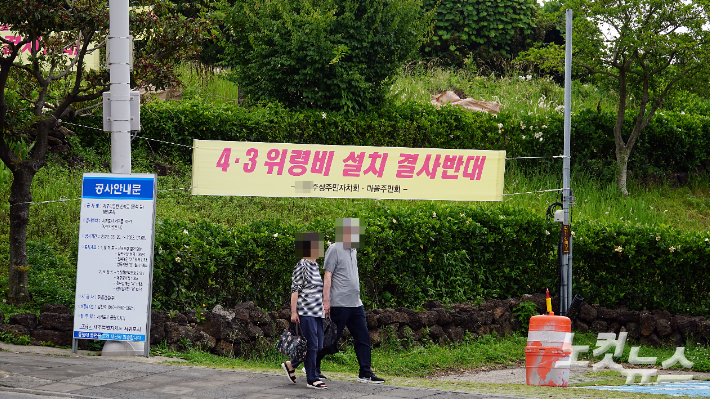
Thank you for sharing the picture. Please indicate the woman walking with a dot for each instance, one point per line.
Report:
(307, 305)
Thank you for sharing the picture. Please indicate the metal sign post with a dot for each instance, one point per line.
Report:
(567, 199)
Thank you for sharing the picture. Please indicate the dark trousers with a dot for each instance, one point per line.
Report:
(354, 319)
(313, 332)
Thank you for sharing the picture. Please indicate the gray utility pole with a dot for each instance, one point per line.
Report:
(120, 95)
(567, 199)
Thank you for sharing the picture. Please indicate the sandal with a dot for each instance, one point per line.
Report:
(317, 385)
(291, 373)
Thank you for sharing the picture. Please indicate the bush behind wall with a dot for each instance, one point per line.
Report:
(450, 253)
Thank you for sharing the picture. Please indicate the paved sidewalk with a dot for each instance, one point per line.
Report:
(26, 375)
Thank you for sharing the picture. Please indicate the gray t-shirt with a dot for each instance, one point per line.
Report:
(345, 283)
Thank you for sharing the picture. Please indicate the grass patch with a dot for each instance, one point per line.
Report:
(518, 94)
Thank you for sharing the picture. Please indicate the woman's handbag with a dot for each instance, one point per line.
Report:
(292, 343)
(330, 337)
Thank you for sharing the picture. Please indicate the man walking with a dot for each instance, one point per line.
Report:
(341, 293)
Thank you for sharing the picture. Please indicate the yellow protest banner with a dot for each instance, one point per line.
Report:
(306, 170)
(91, 59)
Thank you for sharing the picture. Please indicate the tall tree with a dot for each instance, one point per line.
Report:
(56, 37)
(649, 49)
(326, 54)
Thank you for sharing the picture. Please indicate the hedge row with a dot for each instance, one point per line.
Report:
(448, 253)
(672, 143)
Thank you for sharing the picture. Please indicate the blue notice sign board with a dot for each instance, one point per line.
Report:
(115, 260)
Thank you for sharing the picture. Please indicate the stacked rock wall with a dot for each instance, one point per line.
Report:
(245, 328)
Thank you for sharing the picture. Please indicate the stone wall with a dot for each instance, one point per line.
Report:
(245, 328)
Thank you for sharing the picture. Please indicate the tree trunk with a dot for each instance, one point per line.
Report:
(20, 196)
(23, 171)
(622, 164)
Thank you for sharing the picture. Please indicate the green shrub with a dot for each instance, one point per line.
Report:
(673, 143)
(524, 311)
(451, 253)
(52, 277)
(642, 267)
(329, 55)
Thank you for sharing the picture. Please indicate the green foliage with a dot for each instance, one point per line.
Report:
(453, 253)
(52, 277)
(482, 28)
(674, 142)
(524, 311)
(329, 55)
(642, 267)
(449, 252)
(14, 339)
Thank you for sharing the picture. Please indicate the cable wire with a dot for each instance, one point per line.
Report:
(553, 156)
(533, 192)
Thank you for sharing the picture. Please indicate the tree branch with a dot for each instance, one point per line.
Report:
(78, 57)
(80, 110)
(594, 70)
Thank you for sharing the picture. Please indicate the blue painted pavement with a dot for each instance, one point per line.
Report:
(685, 388)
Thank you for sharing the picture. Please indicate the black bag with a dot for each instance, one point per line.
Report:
(330, 337)
(292, 343)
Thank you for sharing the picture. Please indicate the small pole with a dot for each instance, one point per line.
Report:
(566, 277)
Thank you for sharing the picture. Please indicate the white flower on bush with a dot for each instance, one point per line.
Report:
(463, 216)
(572, 233)
(500, 126)
(276, 235)
(672, 249)
(538, 135)
(547, 233)
(433, 214)
(177, 259)
(707, 239)
(160, 251)
(618, 249)
(658, 238)
(544, 126)
(185, 232)
(323, 114)
(523, 137)
(394, 221)
(540, 139)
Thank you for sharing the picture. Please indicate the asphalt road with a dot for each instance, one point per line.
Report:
(28, 375)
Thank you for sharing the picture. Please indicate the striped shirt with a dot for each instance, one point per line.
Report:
(306, 280)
